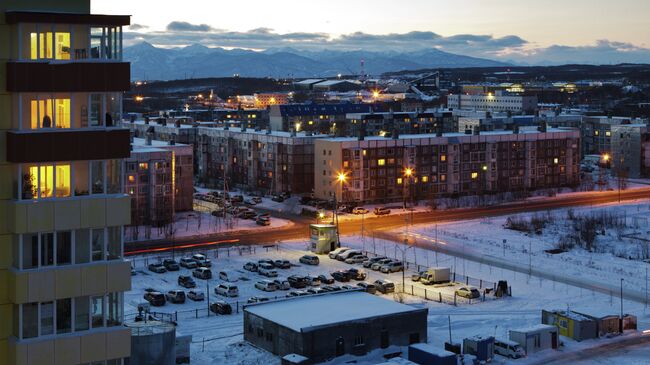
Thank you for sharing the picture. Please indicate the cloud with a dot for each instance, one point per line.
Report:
(509, 48)
(137, 27)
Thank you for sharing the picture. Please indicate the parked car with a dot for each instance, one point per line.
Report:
(256, 199)
(384, 286)
(264, 215)
(266, 261)
(373, 260)
(324, 279)
(266, 285)
(393, 266)
(277, 198)
(171, 265)
(509, 349)
(357, 274)
(188, 263)
(250, 202)
(369, 288)
(202, 260)
(468, 292)
(356, 259)
(417, 276)
(247, 214)
(175, 296)
(342, 276)
(309, 260)
(270, 273)
(297, 293)
(377, 265)
(202, 273)
(220, 307)
(229, 276)
(157, 299)
(316, 291)
(263, 221)
(313, 280)
(297, 282)
(158, 268)
(282, 284)
(347, 287)
(347, 254)
(250, 266)
(226, 290)
(257, 299)
(195, 295)
(339, 250)
(360, 210)
(381, 211)
(237, 199)
(282, 264)
(186, 281)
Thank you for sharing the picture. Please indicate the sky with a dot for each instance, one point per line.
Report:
(500, 29)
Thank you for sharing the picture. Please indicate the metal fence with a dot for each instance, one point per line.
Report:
(216, 253)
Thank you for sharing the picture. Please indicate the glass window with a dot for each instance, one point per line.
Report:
(113, 177)
(30, 320)
(64, 248)
(81, 313)
(63, 315)
(114, 309)
(97, 308)
(62, 181)
(47, 249)
(62, 46)
(95, 110)
(47, 318)
(81, 178)
(97, 175)
(41, 112)
(98, 244)
(29, 183)
(114, 243)
(30, 251)
(82, 246)
(41, 45)
(63, 112)
(46, 181)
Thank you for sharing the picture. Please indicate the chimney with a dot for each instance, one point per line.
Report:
(542, 126)
(149, 136)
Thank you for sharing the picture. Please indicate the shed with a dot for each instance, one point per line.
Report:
(481, 347)
(427, 354)
(322, 238)
(536, 338)
(609, 323)
(571, 324)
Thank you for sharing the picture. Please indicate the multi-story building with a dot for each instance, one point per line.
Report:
(159, 178)
(313, 117)
(627, 152)
(387, 123)
(267, 161)
(448, 165)
(62, 203)
(597, 133)
(494, 102)
(264, 100)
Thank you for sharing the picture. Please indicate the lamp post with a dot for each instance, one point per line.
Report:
(340, 177)
(408, 173)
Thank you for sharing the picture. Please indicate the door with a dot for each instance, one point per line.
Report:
(384, 343)
(553, 340)
(340, 346)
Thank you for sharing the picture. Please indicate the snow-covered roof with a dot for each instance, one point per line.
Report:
(536, 328)
(438, 351)
(303, 313)
(142, 142)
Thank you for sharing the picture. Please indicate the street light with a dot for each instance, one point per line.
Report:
(341, 177)
(408, 173)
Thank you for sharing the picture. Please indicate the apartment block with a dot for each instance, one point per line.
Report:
(159, 179)
(387, 123)
(313, 117)
(498, 101)
(597, 133)
(453, 164)
(627, 152)
(62, 203)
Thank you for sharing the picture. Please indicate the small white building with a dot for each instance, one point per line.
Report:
(322, 238)
(536, 338)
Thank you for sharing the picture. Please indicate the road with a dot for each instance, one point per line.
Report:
(299, 230)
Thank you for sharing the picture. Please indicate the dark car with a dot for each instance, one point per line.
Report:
(384, 286)
(171, 265)
(282, 264)
(237, 199)
(309, 260)
(324, 279)
(297, 282)
(342, 276)
(373, 260)
(176, 296)
(155, 298)
(186, 281)
(370, 288)
(277, 198)
(357, 274)
(158, 268)
(250, 266)
(266, 261)
(247, 214)
(220, 307)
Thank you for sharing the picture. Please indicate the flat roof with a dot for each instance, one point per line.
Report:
(303, 313)
(455, 134)
(138, 142)
(535, 328)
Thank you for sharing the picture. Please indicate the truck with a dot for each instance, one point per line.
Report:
(481, 347)
(435, 275)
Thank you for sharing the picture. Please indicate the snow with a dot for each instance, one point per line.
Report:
(438, 351)
(301, 313)
(536, 328)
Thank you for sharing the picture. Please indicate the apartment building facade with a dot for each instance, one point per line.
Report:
(597, 133)
(449, 165)
(62, 203)
(313, 117)
(387, 123)
(498, 102)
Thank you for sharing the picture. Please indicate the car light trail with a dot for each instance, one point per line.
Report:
(181, 247)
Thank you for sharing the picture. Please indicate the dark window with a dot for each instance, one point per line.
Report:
(414, 338)
(384, 343)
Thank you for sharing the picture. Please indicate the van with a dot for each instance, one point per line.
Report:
(509, 349)
(347, 254)
(202, 273)
(227, 290)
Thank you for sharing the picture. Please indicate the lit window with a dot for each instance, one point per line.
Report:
(474, 175)
(399, 181)
(608, 133)
(346, 163)
(425, 178)
(556, 160)
(596, 133)
(364, 152)
(41, 45)
(443, 158)
(143, 166)
(62, 47)
(62, 113)
(381, 162)
(131, 178)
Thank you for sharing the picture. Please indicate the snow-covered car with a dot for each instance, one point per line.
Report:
(269, 273)
(202, 260)
(170, 265)
(384, 286)
(309, 260)
(377, 265)
(250, 266)
(228, 276)
(313, 280)
(189, 263)
(195, 295)
(369, 288)
(227, 290)
(393, 266)
(158, 268)
(202, 273)
(266, 285)
(339, 250)
(186, 281)
(175, 296)
(316, 291)
(347, 254)
(468, 292)
(155, 298)
(368, 263)
(257, 299)
(356, 259)
(282, 284)
(282, 264)
(326, 279)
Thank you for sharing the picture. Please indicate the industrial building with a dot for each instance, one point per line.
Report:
(62, 198)
(313, 117)
(451, 164)
(498, 101)
(321, 327)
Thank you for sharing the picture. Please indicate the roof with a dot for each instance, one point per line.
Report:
(141, 142)
(334, 82)
(308, 81)
(15, 17)
(451, 136)
(433, 350)
(536, 328)
(291, 110)
(327, 309)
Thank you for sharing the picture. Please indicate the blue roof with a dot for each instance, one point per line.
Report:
(293, 110)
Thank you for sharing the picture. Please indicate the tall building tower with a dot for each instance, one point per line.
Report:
(62, 205)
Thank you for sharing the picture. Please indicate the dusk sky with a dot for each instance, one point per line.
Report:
(496, 28)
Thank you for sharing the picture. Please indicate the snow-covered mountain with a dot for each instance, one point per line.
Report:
(196, 61)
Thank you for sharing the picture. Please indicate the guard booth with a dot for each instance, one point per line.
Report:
(322, 238)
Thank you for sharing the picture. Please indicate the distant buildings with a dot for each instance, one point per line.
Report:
(494, 102)
(450, 165)
(597, 133)
(388, 123)
(312, 117)
(264, 100)
(627, 153)
(62, 272)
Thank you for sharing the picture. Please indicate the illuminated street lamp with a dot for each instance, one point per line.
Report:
(341, 177)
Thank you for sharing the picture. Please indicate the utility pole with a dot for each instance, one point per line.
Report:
(621, 320)
(207, 295)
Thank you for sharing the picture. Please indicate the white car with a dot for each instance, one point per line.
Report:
(360, 210)
(270, 273)
(228, 276)
(338, 251)
(282, 284)
(195, 295)
(202, 260)
(188, 263)
(266, 285)
(347, 254)
(356, 259)
(227, 290)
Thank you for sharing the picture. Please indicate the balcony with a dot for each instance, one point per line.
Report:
(44, 76)
(51, 145)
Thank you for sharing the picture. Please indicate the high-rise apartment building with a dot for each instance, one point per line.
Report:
(62, 204)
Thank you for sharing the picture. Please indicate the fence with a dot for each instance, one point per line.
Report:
(216, 253)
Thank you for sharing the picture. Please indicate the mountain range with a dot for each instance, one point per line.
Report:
(196, 61)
